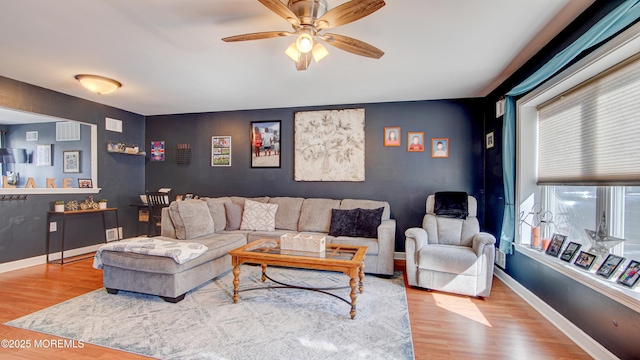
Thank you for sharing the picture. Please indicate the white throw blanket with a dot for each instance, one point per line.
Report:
(179, 251)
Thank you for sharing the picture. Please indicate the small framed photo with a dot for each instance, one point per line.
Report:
(609, 266)
(415, 141)
(555, 245)
(585, 260)
(630, 275)
(265, 144)
(490, 141)
(71, 161)
(85, 183)
(392, 136)
(440, 147)
(43, 155)
(570, 251)
(221, 151)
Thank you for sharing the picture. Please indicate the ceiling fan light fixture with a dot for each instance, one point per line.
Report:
(304, 43)
(98, 84)
(319, 52)
(292, 52)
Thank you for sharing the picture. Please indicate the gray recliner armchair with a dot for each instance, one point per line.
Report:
(450, 254)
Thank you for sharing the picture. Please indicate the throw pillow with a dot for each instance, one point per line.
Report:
(368, 222)
(234, 216)
(343, 222)
(191, 219)
(259, 216)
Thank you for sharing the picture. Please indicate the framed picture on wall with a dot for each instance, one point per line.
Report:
(630, 275)
(265, 144)
(43, 155)
(71, 161)
(609, 266)
(490, 140)
(221, 151)
(392, 136)
(440, 147)
(415, 141)
(157, 150)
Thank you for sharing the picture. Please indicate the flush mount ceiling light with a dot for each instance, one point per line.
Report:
(98, 84)
(309, 18)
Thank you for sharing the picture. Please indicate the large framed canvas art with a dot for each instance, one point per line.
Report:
(329, 145)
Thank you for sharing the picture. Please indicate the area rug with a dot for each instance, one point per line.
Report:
(264, 324)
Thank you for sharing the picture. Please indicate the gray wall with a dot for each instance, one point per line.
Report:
(392, 174)
(23, 223)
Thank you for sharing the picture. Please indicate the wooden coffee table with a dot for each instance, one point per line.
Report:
(346, 259)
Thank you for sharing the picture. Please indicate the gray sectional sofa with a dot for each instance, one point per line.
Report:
(214, 223)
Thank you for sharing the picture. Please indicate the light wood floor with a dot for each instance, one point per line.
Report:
(443, 326)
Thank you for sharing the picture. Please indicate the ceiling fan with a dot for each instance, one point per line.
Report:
(309, 18)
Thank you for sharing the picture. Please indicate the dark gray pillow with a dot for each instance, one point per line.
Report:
(368, 222)
(234, 216)
(343, 222)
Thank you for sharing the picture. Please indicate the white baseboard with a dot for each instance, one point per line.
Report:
(399, 256)
(579, 337)
(42, 259)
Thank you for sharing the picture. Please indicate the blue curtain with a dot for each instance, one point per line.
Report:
(624, 15)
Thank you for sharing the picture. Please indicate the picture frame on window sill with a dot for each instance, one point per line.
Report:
(609, 266)
(571, 251)
(85, 183)
(557, 240)
(585, 260)
(630, 275)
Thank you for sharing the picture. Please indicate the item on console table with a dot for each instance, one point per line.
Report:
(298, 242)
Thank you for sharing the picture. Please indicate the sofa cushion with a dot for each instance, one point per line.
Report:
(448, 259)
(191, 219)
(288, 213)
(217, 211)
(344, 222)
(233, 215)
(368, 222)
(367, 204)
(315, 214)
(259, 216)
(239, 200)
(219, 245)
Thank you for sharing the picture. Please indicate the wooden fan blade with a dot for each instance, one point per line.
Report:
(282, 10)
(348, 12)
(304, 61)
(257, 36)
(353, 46)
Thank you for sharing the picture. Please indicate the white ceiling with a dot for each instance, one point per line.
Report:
(170, 59)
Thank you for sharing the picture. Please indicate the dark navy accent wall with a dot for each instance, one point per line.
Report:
(594, 313)
(23, 223)
(402, 178)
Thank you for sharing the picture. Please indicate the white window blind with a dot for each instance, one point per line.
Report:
(591, 134)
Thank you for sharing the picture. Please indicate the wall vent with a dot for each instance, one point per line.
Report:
(113, 124)
(67, 131)
(32, 136)
(501, 259)
(114, 234)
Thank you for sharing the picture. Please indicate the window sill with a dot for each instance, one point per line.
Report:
(48, 191)
(608, 287)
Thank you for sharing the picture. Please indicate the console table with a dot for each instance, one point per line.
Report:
(65, 214)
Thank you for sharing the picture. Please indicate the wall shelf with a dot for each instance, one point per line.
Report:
(122, 148)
